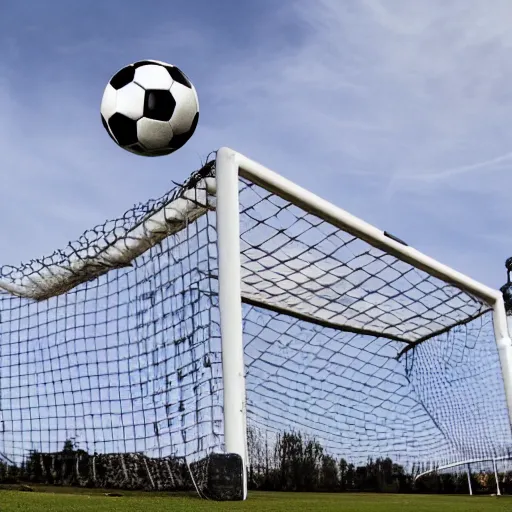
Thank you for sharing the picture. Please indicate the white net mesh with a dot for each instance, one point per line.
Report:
(114, 344)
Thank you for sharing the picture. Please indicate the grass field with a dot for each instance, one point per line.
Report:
(86, 500)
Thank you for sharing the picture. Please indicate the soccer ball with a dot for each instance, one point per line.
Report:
(150, 108)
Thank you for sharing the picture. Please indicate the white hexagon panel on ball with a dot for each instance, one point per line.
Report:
(150, 108)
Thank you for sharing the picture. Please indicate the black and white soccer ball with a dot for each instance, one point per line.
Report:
(150, 108)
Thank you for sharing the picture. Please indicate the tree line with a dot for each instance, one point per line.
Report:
(292, 462)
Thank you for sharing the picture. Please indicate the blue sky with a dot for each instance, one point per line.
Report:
(397, 111)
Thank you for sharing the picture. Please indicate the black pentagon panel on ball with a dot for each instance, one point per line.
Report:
(105, 125)
(180, 140)
(141, 63)
(122, 77)
(159, 105)
(178, 76)
(137, 148)
(123, 129)
(159, 152)
(194, 125)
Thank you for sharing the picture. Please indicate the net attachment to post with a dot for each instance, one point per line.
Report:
(506, 289)
(114, 344)
(115, 244)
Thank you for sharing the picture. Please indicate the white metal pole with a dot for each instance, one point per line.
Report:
(469, 480)
(498, 491)
(230, 306)
(323, 209)
(504, 351)
(459, 463)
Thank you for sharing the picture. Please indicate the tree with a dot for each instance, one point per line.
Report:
(311, 465)
(329, 474)
(290, 450)
(69, 446)
(350, 476)
(343, 474)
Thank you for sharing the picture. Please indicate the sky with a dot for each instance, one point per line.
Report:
(396, 111)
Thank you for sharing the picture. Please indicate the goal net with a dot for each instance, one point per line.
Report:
(119, 364)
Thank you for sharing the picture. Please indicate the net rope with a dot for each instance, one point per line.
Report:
(114, 344)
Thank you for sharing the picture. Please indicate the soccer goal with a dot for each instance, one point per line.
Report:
(177, 346)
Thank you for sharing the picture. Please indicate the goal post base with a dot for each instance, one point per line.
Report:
(224, 477)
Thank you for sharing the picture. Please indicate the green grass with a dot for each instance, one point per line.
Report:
(85, 500)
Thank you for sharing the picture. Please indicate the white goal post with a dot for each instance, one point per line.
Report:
(229, 166)
(301, 311)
